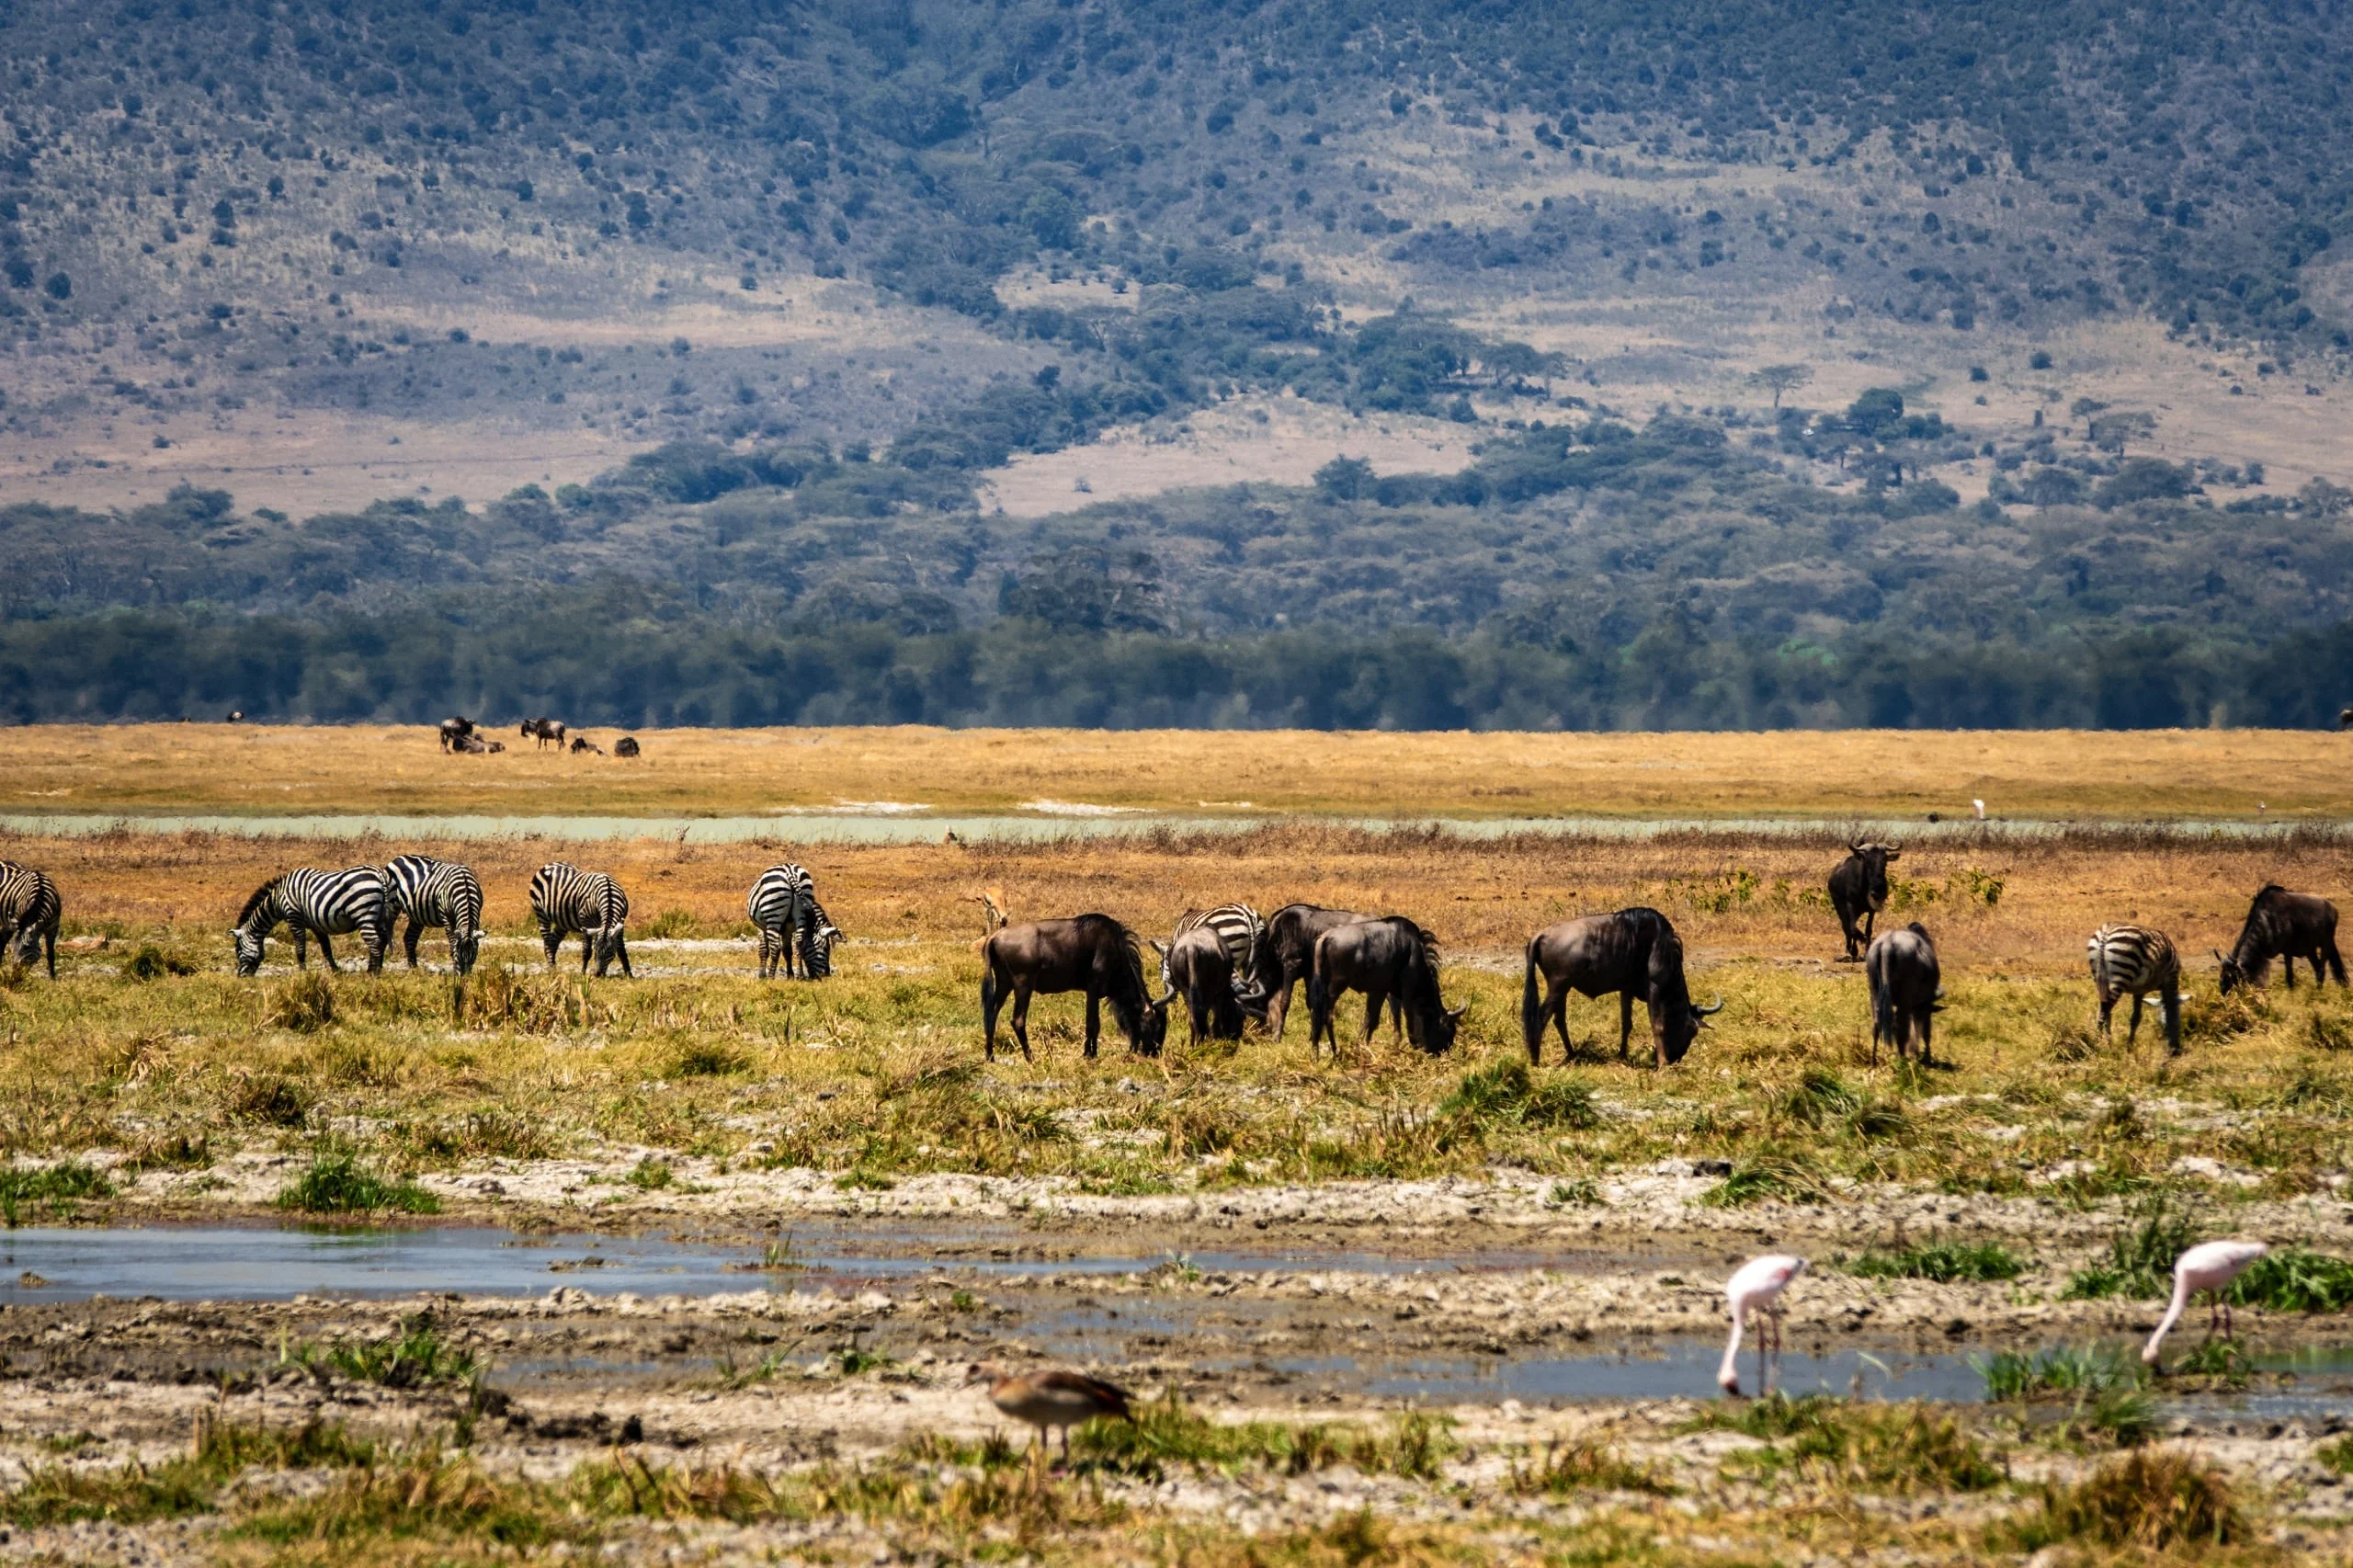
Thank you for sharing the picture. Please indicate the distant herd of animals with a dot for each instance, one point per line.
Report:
(1227, 965)
(461, 736)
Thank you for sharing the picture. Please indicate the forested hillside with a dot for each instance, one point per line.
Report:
(1826, 364)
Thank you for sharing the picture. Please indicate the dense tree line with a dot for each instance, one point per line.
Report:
(615, 655)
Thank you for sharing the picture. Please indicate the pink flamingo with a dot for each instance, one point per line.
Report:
(2208, 1267)
(1755, 1291)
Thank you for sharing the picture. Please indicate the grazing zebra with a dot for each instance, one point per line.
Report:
(784, 907)
(565, 899)
(1238, 929)
(316, 903)
(435, 893)
(29, 908)
(2132, 960)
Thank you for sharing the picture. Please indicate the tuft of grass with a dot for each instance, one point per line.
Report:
(2295, 1280)
(1840, 1444)
(1944, 1262)
(2140, 1260)
(421, 1497)
(1506, 1093)
(1583, 1192)
(1767, 1175)
(708, 1059)
(2112, 1399)
(650, 1174)
(57, 1188)
(304, 1004)
(1167, 1433)
(2150, 1499)
(671, 923)
(2337, 1456)
(338, 1183)
(862, 1180)
(271, 1098)
(2223, 1360)
(1568, 1467)
(417, 1357)
(152, 962)
(192, 1484)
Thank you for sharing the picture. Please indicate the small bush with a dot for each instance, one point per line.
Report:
(2295, 1280)
(304, 1004)
(337, 1183)
(58, 1188)
(2140, 1261)
(649, 1174)
(2151, 1500)
(268, 1097)
(708, 1059)
(1944, 1263)
(152, 962)
(1507, 1092)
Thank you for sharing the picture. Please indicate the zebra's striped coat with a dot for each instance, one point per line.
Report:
(312, 903)
(2132, 961)
(436, 892)
(29, 909)
(783, 905)
(565, 899)
(1239, 930)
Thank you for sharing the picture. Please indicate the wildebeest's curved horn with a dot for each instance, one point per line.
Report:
(1853, 847)
(1709, 1012)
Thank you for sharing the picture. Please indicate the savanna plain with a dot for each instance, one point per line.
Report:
(1373, 1306)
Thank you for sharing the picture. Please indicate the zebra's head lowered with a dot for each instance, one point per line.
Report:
(465, 947)
(255, 923)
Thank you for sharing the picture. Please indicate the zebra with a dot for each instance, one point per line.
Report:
(29, 908)
(565, 899)
(784, 907)
(316, 903)
(1239, 930)
(435, 893)
(2132, 960)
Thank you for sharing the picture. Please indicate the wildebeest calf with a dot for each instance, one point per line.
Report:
(1859, 892)
(1200, 970)
(1905, 980)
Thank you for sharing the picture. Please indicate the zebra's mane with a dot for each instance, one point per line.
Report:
(261, 895)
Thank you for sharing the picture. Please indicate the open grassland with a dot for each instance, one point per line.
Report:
(877, 1074)
(2071, 776)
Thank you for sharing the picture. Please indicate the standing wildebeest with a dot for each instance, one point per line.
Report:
(1900, 967)
(1198, 967)
(1631, 951)
(625, 746)
(1859, 892)
(543, 731)
(1394, 964)
(1287, 952)
(455, 730)
(2132, 961)
(2284, 925)
(1092, 953)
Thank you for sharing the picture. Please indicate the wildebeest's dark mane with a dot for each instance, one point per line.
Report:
(260, 893)
(1136, 993)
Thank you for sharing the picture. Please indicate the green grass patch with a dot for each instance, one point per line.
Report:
(1841, 1445)
(650, 1174)
(1569, 1467)
(415, 1357)
(1945, 1263)
(2150, 1500)
(2107, 1391)
(2295, 1280)
(338, 1182)
(56, 1187)
(2140, 1260)
(1768, 1175)
(136, 1494)
(1167, 1433)
(1507, 1092)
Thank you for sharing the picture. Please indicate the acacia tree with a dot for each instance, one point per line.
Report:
(1780, 379)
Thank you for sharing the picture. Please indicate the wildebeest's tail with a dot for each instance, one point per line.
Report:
(1531, 1007)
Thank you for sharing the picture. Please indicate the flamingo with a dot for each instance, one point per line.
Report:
(2208, 1267)
(1755, 1291)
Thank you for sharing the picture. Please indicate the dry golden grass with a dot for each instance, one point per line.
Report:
(252, 769)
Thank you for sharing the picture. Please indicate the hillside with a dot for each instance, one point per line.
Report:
(1855, 327)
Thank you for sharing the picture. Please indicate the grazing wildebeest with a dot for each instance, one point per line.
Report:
(543, 731)
(1197, 967)
(1635, 950)
(1859, 892)
(582, 743)
(2132, 961)
(1904, 979)
(625, 746)
(2284, 925)
(236, 715)
(1092, 953)
(1394, 962)
(454, 730)
(1287, 951)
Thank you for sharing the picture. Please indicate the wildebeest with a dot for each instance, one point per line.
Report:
(1900, 967)
(582, 743)
(2284, 925)
(1859, 892)
(2132, 961)
(475, 745)
(1287, 951)
(625, 746)
(1633, 951)
(1198, 967)
(454, 730)
(1394, 964)
(543, 731)
(1092, 953)
(236, 715)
